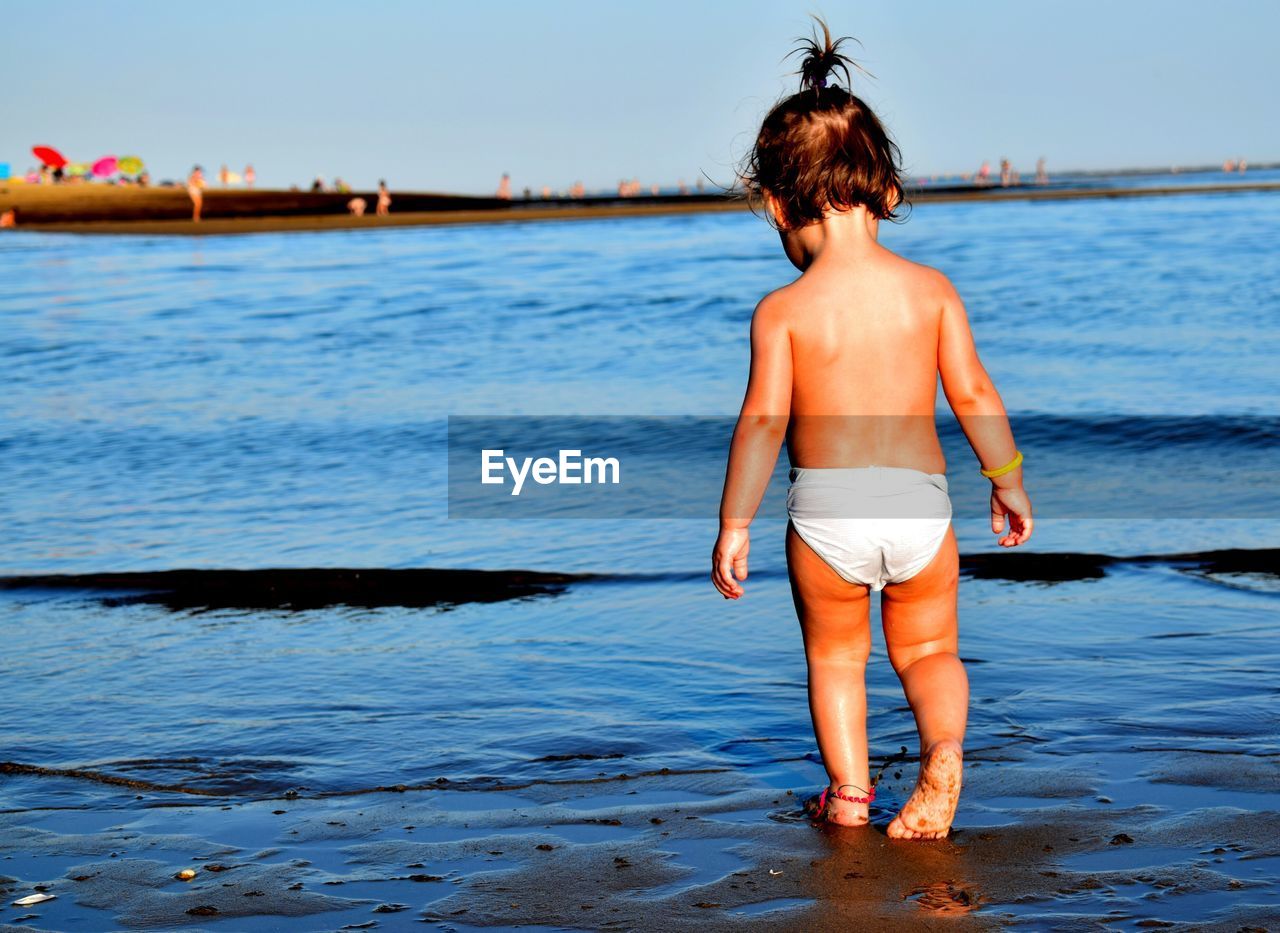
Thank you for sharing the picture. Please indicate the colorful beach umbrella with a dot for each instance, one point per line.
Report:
(48, 156)
(76, 169)
(104, 166)
(130, 165)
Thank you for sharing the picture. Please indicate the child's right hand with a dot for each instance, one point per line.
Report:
(729, 560)
(1014, 503)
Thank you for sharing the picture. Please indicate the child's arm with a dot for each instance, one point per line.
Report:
(973, 397)
(762, 425)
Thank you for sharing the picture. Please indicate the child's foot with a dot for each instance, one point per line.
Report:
(928, 814)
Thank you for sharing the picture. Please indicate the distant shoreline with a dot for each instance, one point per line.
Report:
(164, 211)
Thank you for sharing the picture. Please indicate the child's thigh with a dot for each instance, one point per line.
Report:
(834, 613)
(919, 614)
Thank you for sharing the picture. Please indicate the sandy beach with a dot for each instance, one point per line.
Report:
(109, 209)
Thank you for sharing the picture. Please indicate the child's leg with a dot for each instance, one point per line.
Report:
(920, 632)
(834, 618)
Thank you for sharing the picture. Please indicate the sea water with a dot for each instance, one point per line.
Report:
(281, 400)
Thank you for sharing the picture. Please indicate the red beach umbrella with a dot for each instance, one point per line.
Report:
(105, 166)
(48, 156)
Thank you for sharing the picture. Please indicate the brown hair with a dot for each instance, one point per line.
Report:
(823, 147)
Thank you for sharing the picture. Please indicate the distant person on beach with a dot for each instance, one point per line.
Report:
(250, 176)
(1229, 165)
(845, 362)
(195, 190)
(1006, 173)
(504, 187)
(144, 180)
(1241, 165)
(357, 206)
(317, 185)
(984, 174)
(1042, 172)
(384, 199)
(224, 176)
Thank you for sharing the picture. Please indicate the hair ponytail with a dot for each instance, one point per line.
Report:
(821, 59)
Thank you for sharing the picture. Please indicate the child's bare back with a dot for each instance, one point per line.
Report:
(863, 329)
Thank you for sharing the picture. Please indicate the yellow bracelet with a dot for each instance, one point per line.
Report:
(1007, 468)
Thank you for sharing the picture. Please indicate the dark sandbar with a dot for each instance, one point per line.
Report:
(314, 588)
(307, 588)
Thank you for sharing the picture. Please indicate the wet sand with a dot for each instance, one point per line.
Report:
(667, 850)
(1146, 832)
(165, 211)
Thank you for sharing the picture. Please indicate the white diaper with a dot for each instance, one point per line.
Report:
(871, 525)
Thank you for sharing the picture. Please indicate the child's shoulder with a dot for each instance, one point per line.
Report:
(921, 275)
(772, 315)
(927, 285)
(777, 304)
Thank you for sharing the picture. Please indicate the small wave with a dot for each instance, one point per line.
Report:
(483, 784)
(84, 774)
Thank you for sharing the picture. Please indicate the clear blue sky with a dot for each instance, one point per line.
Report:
(448, 96)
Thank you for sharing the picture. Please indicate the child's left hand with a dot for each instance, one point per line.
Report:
(729, 560)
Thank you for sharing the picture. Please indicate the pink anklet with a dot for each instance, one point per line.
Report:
(822, 798)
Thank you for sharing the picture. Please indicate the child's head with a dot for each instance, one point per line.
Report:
(823, 148)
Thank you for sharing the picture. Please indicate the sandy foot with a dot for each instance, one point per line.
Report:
(928, 814)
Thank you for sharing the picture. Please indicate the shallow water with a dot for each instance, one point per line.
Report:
(280, 400)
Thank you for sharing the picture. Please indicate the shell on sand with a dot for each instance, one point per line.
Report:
(33, 899)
